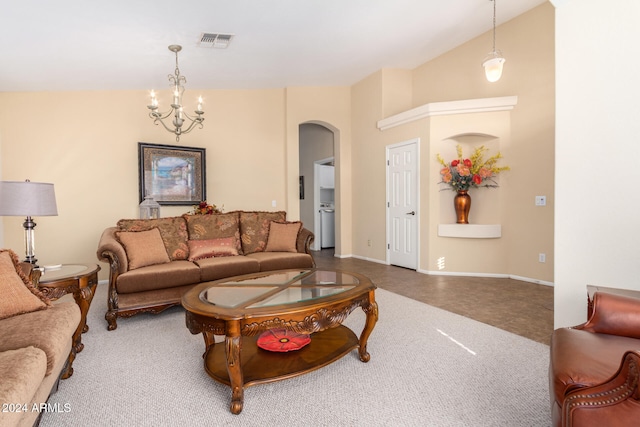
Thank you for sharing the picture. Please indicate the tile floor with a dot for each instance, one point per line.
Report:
(522, 308)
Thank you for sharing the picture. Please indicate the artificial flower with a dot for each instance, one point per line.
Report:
(203, 208)
(463, 173)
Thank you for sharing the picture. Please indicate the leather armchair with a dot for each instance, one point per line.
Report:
(594, 368)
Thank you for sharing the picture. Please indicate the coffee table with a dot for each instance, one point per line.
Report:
(306, 301)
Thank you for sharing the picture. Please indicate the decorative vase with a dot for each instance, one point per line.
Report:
(462, 204)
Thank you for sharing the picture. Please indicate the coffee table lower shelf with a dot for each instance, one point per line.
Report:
(262, 366)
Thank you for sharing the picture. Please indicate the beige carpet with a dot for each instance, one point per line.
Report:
(428, 367)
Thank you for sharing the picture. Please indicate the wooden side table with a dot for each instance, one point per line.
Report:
(79, 280)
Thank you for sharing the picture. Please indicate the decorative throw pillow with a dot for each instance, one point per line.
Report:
(17, 294)
(254, 229)
(214, 226)
(283, 236)
(200, 249)
(143, 247)
(172, 229)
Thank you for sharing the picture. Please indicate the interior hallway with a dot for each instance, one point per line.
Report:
(523, 308)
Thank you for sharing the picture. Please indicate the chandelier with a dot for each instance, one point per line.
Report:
(494, 61)
(179, 116)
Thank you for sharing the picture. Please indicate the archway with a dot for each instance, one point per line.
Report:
(319, 198)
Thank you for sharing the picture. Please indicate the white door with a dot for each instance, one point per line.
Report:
(402, 206)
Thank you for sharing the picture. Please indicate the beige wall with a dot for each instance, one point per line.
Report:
(597, 228)
(528, 45)
(528, 146)
(86, 143)
(488, 206)
(329, 107)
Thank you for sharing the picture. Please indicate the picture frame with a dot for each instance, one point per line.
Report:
(171, 174)
(301, 187)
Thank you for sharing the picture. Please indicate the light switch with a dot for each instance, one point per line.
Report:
(541, 200)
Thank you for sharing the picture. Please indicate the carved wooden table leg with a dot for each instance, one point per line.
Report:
(233, 342)
(80, 281)
(83, 297)
(372, 317)
(88, 297)
(209, 340)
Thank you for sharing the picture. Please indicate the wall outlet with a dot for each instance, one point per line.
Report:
(542, 258)
(541, 200)
(273, 203)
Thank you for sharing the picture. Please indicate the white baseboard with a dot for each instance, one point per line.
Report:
(528, 279)
(465, 274)
(377, 261)
(342, 256)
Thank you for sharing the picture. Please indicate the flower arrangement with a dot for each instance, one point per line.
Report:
(203, 208)
(473, 172)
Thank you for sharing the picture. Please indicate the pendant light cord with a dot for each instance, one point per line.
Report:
(494, 25)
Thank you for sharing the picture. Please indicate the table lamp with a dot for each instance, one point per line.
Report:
(18, 198)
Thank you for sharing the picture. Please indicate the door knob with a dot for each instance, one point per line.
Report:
(411, 213)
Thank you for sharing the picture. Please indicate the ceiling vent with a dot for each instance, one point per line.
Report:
(215, 40)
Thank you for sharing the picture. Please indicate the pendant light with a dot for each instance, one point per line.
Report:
(494, 61)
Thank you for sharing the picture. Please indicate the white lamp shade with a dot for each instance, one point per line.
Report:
(493, 68)
(26, 198)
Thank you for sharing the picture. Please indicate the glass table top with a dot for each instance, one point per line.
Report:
(288, 287)
(60, 271)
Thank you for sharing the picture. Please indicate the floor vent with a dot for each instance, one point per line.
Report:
(215, 40)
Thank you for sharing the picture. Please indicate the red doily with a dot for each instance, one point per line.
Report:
(281, 340)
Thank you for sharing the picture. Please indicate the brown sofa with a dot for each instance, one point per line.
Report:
(153, 262)
(35, 343)
(595, 367)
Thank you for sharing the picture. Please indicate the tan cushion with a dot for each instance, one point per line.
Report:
(214, 226)
(222, 267)
(143, 247)
(283, 236)
(22, 371)
(61, 320)
(159, 276)
(17, 294)
(254, 229)
(270, 261)
(199, 249)
(172, 229)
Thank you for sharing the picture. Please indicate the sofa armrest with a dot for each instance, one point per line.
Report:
(614, 315)
(305, 239)
(110, 250)
(617, 401)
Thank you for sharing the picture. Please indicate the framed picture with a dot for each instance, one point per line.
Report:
(172, 175)
(301, 187)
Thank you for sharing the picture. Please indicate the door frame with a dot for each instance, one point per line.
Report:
(388, 148)
(317, 244)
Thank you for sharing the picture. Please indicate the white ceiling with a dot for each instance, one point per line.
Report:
(122, 44)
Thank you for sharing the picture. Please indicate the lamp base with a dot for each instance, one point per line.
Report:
(30, 242)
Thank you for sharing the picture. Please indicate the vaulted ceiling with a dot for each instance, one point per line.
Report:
(122, 44)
